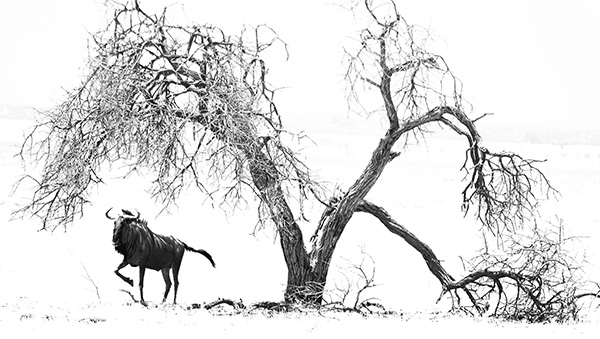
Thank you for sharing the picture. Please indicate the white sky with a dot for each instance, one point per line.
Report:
(519, 59)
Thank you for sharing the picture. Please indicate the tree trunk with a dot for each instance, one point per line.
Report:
(265, 177)
(335, 219)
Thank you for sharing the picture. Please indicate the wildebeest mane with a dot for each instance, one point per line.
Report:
(134, 236)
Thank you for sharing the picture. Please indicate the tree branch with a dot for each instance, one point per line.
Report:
(433, 263)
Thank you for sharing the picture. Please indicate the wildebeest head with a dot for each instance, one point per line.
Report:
(126, 215)
(122, 223)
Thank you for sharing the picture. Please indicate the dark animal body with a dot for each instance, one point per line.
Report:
(141, 247)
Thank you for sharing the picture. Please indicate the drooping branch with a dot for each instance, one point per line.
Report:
(433, 263)
(537, 279)
(504, 187)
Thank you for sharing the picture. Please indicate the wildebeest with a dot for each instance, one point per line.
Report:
(141, 247)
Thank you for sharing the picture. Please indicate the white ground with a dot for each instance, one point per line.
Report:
(61, 283)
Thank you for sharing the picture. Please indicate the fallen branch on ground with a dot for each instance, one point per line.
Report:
(220, 301)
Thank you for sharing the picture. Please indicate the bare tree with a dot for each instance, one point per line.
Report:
(165, 98)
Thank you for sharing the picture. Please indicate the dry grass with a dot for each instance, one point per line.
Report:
(100, 320)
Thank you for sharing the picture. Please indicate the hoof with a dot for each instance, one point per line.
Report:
(130, 282)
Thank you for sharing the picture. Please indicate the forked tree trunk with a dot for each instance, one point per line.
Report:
(309, 286)
(335, 219)
(306, 283)
(307, 271)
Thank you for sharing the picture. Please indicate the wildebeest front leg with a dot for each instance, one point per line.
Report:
(121, 265)
(142, 272)
(165, 273)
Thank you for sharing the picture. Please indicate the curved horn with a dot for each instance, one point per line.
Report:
(129, 215)
(106, 214)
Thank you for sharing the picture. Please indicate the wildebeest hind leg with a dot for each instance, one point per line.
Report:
(165, 273)
(142, 272)
(176, 280)
(121, 265)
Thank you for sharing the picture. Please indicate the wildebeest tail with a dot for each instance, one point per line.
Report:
(203, 252)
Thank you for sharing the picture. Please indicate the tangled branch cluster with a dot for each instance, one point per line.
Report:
(536, 278)
(391, 55)
(188, 103)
